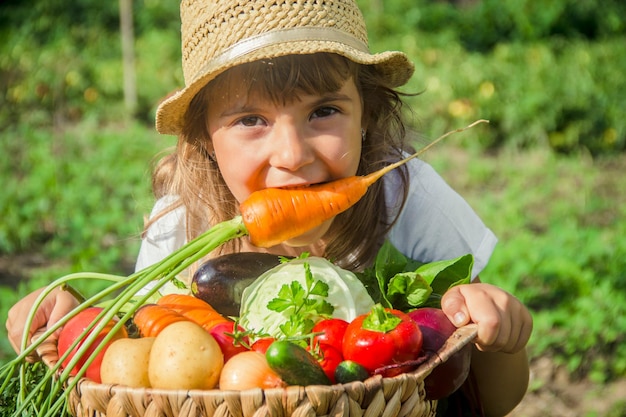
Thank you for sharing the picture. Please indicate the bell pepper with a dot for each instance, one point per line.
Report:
(381, 338)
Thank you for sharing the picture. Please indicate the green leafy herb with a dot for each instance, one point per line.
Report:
(399, 282)
(410, 285)
(11, 392)
(303, 304)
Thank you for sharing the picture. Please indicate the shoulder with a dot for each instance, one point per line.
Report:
(168, 220)
(165, 234)
(424, 183)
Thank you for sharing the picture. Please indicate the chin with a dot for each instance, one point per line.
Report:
(311, 237)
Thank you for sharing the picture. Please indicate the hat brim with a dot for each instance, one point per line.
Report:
(394, 66)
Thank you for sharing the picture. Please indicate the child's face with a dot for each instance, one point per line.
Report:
(260, 144)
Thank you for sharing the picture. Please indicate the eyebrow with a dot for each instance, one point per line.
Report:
(336, 96)
(248, 108)
(239, 109)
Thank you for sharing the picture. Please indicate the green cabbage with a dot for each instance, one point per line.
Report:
(346, 293)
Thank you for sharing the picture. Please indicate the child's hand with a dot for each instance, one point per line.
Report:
(504, 323)
(57, 304)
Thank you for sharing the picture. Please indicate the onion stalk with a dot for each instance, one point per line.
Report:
(126, 301)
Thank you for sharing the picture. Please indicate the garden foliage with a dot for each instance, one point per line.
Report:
(548, 76)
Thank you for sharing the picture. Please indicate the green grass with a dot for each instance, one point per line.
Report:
(561, 222)
(546, 175)
(73, 201)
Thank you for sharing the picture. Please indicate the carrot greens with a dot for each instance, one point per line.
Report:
(124, 305)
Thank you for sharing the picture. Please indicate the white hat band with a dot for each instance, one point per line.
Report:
(277, 37)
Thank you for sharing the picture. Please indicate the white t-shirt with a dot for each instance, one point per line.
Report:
(436, 223)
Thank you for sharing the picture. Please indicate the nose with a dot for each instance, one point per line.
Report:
(289, 149)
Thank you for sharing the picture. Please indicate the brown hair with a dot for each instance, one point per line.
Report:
(192, 174)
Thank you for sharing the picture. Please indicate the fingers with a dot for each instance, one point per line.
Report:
(504, 323)
(525, 330)
(15, 334)
(52, 309)
(64, 303)
(17, 317)
(454, 305)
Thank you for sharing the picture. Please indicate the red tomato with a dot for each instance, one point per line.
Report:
(329, 357)
(73, 329)
(231, 341)
(331, 332)
(262, 344)
(382, 337)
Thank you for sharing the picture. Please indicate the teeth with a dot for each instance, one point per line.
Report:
(288, 187)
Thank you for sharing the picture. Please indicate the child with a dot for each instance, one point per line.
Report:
(286, 93)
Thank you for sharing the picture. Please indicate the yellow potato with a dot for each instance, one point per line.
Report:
(125, 362)
(185, 356)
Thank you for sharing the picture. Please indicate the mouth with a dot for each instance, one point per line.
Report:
(301, 185)
(295, 186)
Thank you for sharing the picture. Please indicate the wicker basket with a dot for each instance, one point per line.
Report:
(400, 396)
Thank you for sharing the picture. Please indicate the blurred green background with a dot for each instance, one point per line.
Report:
(546, 174)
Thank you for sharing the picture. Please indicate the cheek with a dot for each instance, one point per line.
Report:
(343, 159)
(238, 168)
(237, 177)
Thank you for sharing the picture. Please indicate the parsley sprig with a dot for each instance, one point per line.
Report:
(304, 305)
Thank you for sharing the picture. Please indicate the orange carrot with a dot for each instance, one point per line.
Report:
(150, 319)
(180, 300)
(274, 215)
(193, 308)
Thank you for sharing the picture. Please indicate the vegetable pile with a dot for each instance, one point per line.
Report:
(190, 344)
(303, 322)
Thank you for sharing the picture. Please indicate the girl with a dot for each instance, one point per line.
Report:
(286, 93)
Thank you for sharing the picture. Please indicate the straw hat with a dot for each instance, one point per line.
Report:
(220, 34)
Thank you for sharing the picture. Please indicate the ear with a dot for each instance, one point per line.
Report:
(365, 121)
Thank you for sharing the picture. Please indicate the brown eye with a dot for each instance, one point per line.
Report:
(250, 121)
(324, 112)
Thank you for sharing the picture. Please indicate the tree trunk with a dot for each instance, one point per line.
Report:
(128, 55)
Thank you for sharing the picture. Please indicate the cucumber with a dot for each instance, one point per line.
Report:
(350, 371)
(295, 365)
